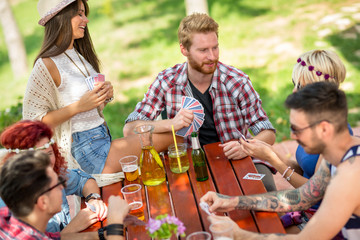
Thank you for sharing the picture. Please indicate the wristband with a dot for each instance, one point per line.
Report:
(92, 196)
(115, 229)
(101, 234)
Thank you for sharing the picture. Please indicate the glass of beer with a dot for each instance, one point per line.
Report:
(178, 160)
(132, 195)
(129, 165)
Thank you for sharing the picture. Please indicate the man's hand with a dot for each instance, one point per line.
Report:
(118, 209)
(219, 202)
(233, 150)
(182, 119)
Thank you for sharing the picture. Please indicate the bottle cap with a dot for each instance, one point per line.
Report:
(194, 134)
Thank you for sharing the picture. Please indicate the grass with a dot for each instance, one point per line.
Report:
(137, 39)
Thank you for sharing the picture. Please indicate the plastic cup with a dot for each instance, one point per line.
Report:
(130, 167)
(199, 236)
(183, 158)
(222, 230)
(132, 195)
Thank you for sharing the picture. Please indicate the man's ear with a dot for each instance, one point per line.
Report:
(42, 202)
(184, 51)
(327, 129)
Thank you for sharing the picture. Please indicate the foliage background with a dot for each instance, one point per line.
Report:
(136, 39)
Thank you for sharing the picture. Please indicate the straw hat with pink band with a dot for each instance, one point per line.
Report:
(49, 8)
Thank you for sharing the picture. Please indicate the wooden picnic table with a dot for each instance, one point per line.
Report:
(180, 195)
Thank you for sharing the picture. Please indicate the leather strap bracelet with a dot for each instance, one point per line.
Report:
(115, 229)
(101, 234)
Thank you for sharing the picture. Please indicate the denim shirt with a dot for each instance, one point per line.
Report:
(76, 180)
(74, 185)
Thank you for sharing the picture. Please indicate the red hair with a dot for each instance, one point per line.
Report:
(25, 134)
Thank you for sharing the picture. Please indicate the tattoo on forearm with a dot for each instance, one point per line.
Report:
(223, 196)
(289, 200)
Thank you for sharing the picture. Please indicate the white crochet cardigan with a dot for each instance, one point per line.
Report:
(41, 97)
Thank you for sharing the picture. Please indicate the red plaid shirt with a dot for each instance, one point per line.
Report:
(12, 228)
(236, 105)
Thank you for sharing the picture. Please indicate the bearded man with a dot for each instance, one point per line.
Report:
(231, 105)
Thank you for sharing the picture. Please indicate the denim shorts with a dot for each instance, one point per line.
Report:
(90, 148)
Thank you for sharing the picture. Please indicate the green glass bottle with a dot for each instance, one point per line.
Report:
(198, 158)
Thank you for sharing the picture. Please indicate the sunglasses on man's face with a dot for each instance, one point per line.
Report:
(300, 130)
(62, 182)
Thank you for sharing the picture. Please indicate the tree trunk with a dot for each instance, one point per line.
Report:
(199, 6)
(13, 40)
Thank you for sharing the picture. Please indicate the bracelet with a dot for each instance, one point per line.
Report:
(101, 234)
(283, 175)
(288, 178)
(115, 229)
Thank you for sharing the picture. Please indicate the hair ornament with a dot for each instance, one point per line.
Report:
(46, 145)
(311, 68)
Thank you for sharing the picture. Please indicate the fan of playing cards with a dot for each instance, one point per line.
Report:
(199, 115)
(90, 81)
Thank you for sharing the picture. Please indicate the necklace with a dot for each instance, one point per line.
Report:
(78, 66)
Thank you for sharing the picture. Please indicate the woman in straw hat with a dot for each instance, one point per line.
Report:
(60, 94)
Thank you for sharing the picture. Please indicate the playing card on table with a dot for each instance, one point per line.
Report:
(254, 176)
(199, 116)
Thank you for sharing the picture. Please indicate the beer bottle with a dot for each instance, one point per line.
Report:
(198, 157)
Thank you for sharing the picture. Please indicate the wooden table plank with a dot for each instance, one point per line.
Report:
(185, 206)
(266, 222)
(199, 190)
(226, 183)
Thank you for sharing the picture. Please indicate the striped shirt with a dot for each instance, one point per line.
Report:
(11, 228)
(236, 105)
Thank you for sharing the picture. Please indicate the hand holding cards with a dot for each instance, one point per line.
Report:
(93, 80)
(199, 116)
(205, 207)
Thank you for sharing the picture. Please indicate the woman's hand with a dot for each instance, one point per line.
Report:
(110, 92)
(81, 221)
(101, 208)
(94, 98)
(259, 149)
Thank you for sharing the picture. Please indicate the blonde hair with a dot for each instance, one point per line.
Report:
(195, 23)
(325, 62)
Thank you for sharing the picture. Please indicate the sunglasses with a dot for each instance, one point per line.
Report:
(298, 131)
(62, 181)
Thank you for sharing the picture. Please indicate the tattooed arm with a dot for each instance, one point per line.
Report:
(281, 201)
(301, 198)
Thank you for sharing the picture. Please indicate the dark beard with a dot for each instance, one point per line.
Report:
(318, 149)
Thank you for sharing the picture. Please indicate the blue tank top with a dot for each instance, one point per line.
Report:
(351, 230)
